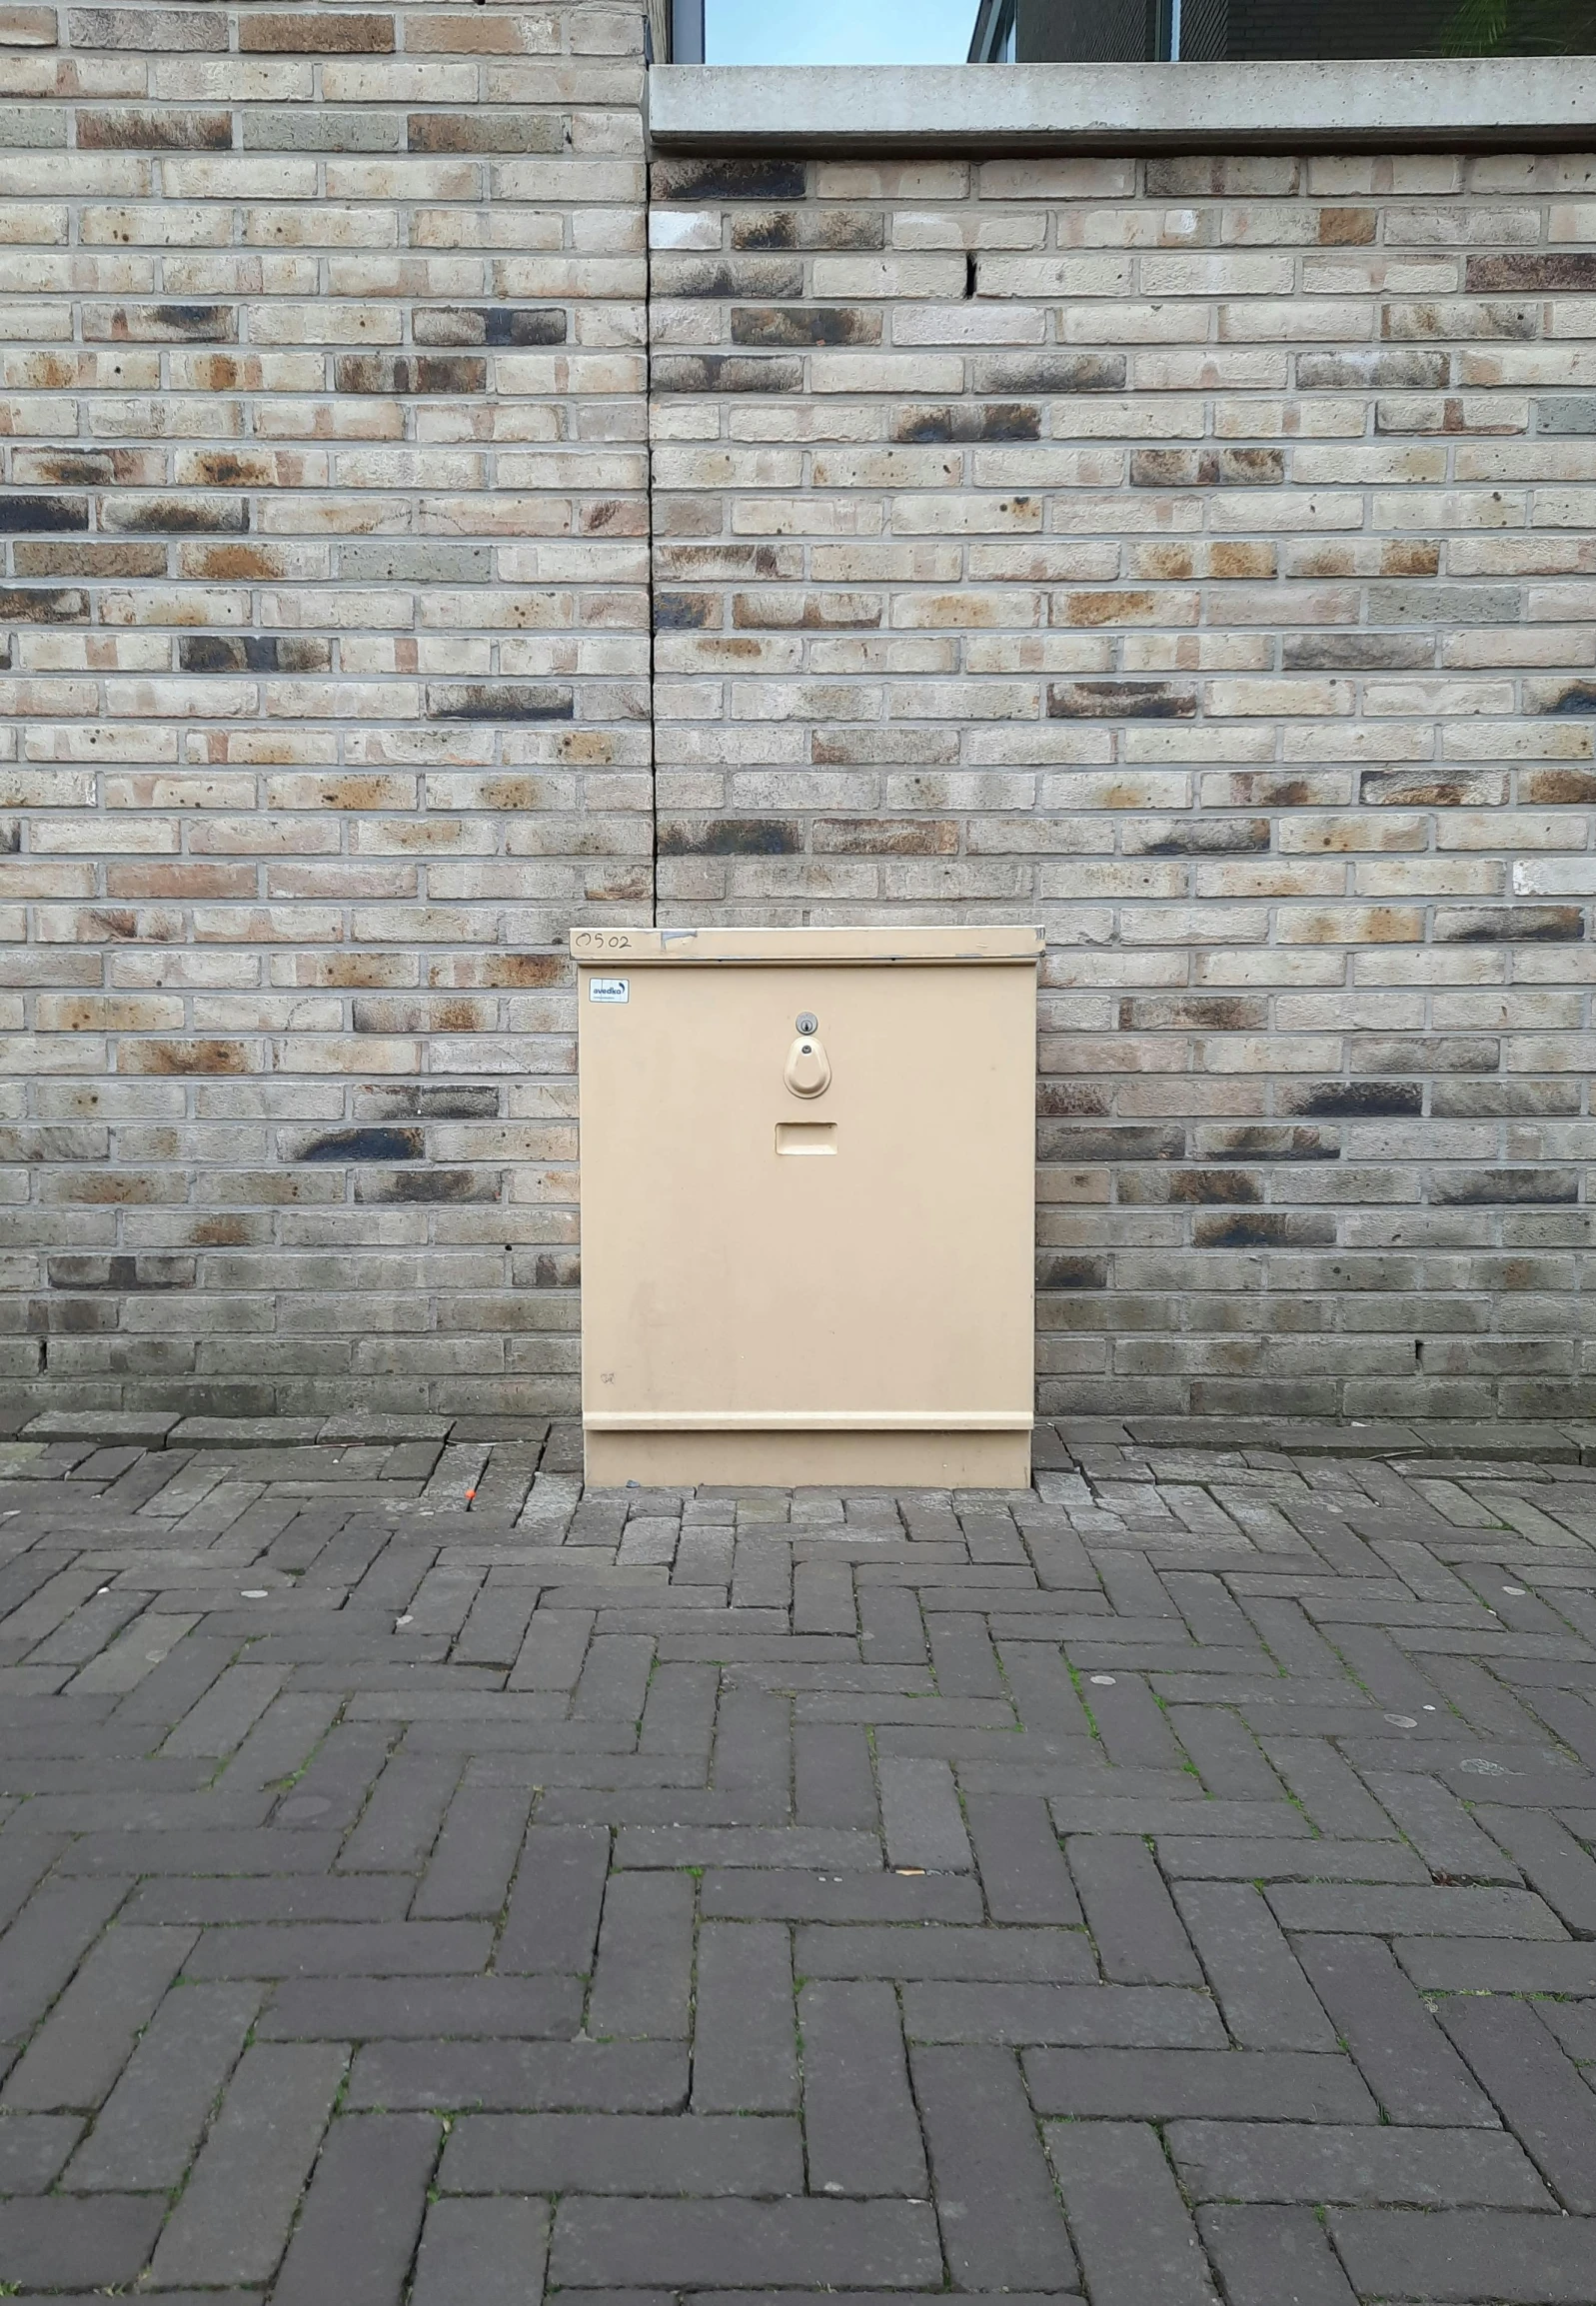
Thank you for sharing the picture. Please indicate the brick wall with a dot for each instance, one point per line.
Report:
(326, 697)
(1195, 556)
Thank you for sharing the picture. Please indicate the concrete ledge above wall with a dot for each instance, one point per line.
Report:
(1510, 103)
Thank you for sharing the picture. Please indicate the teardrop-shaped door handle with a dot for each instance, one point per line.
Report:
(808, 1072)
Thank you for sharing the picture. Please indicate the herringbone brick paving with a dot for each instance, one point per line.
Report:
(424, 1879)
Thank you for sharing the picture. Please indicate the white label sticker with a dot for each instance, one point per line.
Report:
(608, 988)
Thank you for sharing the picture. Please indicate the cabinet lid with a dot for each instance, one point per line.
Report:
(979, 942)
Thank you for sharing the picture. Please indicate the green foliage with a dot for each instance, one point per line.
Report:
(1521, 28)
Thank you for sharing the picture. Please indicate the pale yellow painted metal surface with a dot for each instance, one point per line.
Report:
(807, 1188)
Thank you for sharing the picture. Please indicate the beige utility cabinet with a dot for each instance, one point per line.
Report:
(808, 1193)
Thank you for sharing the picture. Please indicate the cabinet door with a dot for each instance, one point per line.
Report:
(863, 1250)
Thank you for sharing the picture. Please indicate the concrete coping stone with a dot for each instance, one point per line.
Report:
(1509, 103)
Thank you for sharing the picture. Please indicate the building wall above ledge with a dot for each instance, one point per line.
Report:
(1472, 103)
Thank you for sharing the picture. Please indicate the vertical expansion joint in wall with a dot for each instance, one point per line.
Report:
(647, 492)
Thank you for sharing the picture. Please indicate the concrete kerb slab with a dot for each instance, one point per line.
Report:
(133, 1429)
(1543, 1443)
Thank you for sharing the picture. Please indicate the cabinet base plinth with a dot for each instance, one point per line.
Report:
(799, 1460)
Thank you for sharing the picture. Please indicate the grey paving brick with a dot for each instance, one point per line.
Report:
(682, 2244)
(1134, 2234)
(1001, 2227)
(1335, 1797)
(831, 1777)
(615, 1679)
(1554, 1862)
(891, 1626)
(621, 2154)
(341, 1950)
(1497, 1966)
(495, 1626)
(1268, 2257)
(397, 2009)
(1139, 1934)
(921, 1817)
(33, 2149)
(202, 1850)
(929, 1951)
(490, 2252)
(678, 1711)
(227, 1712)
(556, 1900)
(1393, 1908)
(642, 1978)
(284, 1739)
(333, 1790)
(57, 2242)
(860, 2122)
(829, 1848)
(290, 1897)
(1267, 2002)
(1197, 1858)
(823, 1597)
(1041, 1688)
(781, 1893)
(1401, 2051)
(233, 2219)
(129, 1659)
(149, 2126)
(744, 2049)
(45, 1943)
(88, 2037)
(1022, 1870)
(1130, 1720)
(25, 1859)
(1540, 2095)
(1367, 2162)
(1163, 1812)
(476, 1852)
(1574, 2024)
(753, 1745)
(1440, 1829)
(1458, 2256)
(962, 1657)
(1161, 2085)
(523, 2077)
(400, 1822)
(1173, 2018)
(358, 2228)
(1224, 1753)
(170, 1689)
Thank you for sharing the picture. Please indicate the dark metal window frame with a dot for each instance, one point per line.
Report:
(687, 31)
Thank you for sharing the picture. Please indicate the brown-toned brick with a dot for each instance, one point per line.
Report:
(130, 130)
(811, 323)
(1530, 275)
(1121, 701)
(339, 32)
